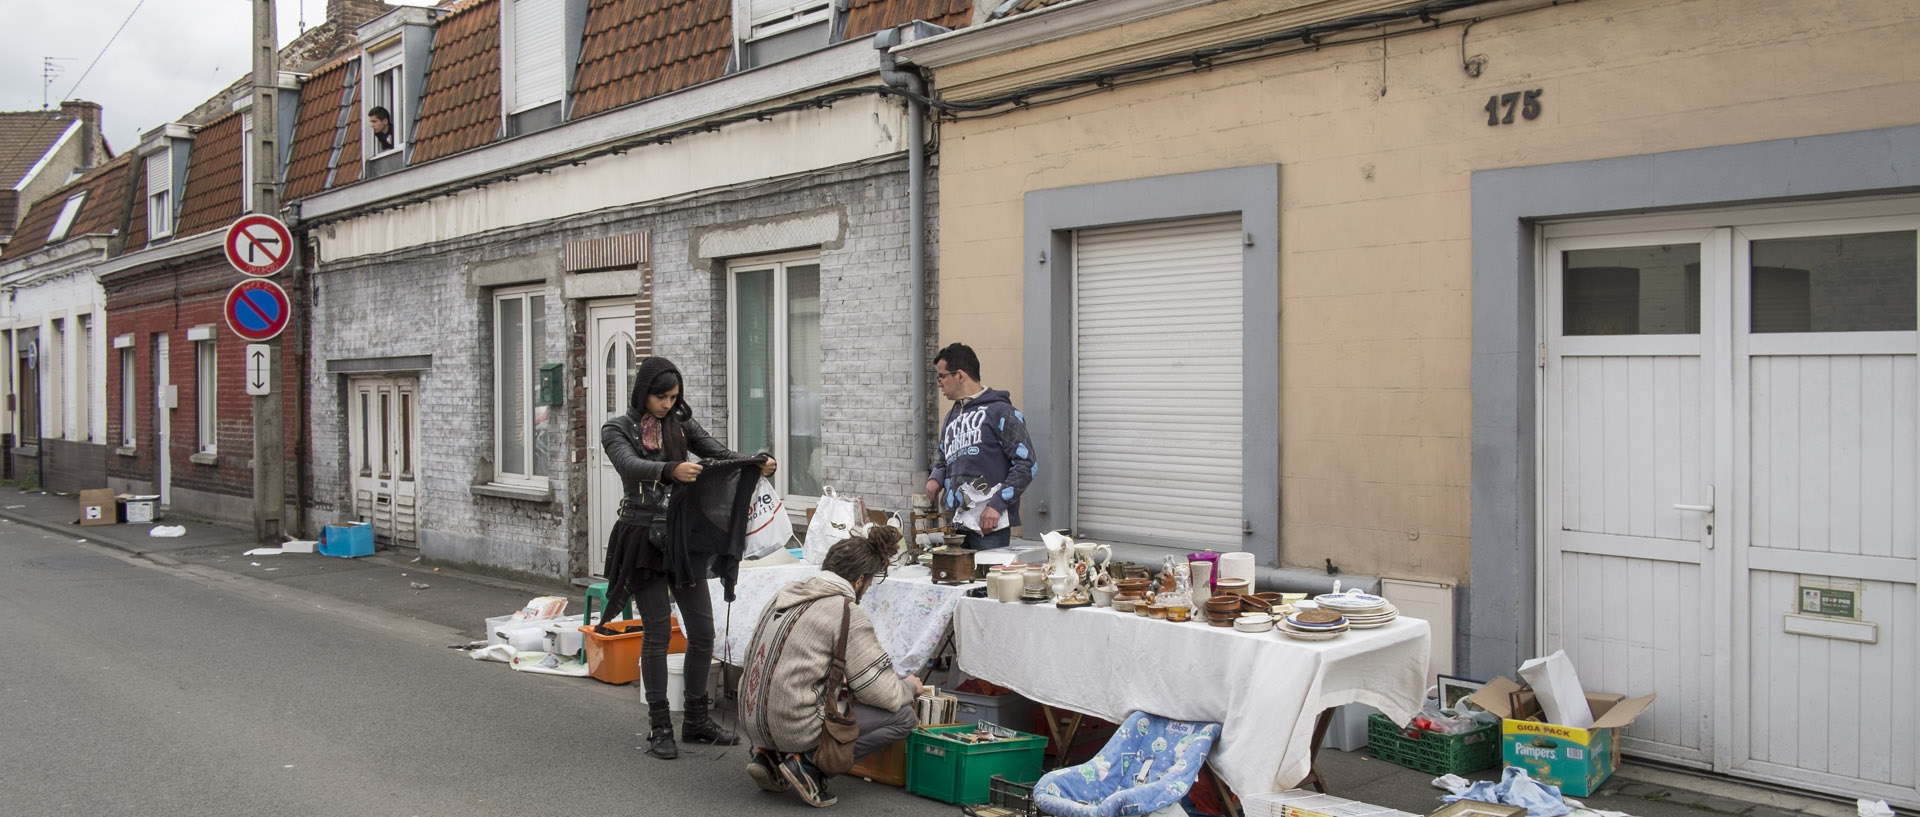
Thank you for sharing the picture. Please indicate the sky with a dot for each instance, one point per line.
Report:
(172, 55)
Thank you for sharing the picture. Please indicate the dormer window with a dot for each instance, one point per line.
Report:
(246, 162)
(67, 214)
(775, 30)
(160, 194)
(535, 55)
(386, 114)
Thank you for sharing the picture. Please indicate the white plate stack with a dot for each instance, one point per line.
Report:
(1364, 611)
(1300, 627)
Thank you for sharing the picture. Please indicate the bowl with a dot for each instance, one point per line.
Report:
(1253, 623)
(1226, 604)
(1272, 599)
(1179, 612)
(1144, 609)
(1254, 604)
(1154, 610)
(1133, 585)
(1235, 585)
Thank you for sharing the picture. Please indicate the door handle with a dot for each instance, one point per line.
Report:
(1705, 509)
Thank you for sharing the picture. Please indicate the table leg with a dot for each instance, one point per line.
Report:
(1314, 777)
(1063, 740)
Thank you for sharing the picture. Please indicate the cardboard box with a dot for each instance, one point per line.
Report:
(97, 507)
(1576, 760)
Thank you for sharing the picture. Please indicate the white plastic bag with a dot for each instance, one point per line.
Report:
(1557, 687)
(768, 528)
(835, 518)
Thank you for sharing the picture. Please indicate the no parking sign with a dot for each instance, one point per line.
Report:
(257, 309)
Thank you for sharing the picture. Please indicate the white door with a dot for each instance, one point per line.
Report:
(1729, 505)
(609, 381)
(1826, 392)
(383, 430)
(1630, 441)
(163, 402)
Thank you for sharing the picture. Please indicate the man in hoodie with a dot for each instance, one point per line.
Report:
(983, 444)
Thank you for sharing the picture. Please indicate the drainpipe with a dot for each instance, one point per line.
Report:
(916, 89)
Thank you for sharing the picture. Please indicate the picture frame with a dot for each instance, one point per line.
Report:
(1453, 688)
(1476, 808)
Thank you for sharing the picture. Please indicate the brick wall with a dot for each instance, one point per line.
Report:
(370, 308)
(170, 301)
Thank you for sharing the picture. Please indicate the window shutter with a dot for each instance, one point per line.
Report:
(1157, 415)
(539, 69)
(160, 181)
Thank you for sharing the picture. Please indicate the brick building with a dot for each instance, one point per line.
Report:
(655, 193)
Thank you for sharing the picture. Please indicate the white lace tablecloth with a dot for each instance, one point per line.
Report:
(910, 613)
(1265, 690)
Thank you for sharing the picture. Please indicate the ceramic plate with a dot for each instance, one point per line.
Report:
(1335, 624)
(1300, 636)
(1351, 601)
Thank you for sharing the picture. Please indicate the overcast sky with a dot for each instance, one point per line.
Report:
(172, 56)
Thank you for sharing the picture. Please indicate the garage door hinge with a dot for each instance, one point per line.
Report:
(1540, 356)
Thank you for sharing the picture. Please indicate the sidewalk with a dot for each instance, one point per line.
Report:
(462, 601)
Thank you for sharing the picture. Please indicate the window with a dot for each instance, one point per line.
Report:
(83, 378)
(67, 213)
(54, 363)
(519, 332)
(246, 162)
(769, 17)
(160, 194)
(206, 399)
(127, 388)
(536, 56)
(774, 306)
(1862, 282)
(1646, 290)
(775, 30)
(27, 380)
(387, 94)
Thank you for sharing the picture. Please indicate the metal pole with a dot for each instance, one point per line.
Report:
(269, 454)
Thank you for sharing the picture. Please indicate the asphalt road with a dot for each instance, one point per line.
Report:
(137, 688)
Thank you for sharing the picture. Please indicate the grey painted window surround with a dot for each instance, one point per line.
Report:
(1507, 204)
(1051, 217)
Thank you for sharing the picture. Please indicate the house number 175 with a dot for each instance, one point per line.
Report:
(1527, 102)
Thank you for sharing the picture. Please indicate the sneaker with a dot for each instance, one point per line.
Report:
(807, 781)
(765, 771)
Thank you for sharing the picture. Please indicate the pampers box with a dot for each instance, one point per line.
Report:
(1576, 760)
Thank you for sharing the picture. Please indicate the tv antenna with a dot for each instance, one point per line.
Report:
(50, 67)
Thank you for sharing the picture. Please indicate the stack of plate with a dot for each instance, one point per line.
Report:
(1313, 625)
(1363, 611)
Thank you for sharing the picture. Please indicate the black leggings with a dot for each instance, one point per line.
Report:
(696, 623)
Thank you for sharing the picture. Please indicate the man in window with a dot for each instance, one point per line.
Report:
(382, 124)
(985, 458)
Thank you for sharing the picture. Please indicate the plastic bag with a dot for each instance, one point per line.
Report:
(768, 528)
(834, 519)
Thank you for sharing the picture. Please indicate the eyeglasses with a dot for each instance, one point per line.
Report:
(939, 376)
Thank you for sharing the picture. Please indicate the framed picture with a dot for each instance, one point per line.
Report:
(1453, 689)
(1475, 808)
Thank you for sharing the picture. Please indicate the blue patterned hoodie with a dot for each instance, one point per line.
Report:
(985, 437)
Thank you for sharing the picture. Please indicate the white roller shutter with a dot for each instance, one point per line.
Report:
(1157, 415)
(160, 191)
(539, 60)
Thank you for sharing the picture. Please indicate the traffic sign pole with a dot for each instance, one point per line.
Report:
(269, 449)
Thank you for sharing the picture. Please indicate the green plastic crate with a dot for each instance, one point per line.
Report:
(1433, 752)
(951, 771)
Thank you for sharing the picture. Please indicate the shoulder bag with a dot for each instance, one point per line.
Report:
(834, 754)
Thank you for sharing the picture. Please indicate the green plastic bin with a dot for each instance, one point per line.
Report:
(952, 771)
(1433, 752)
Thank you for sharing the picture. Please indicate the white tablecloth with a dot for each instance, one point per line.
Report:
(910, 613)
(1264, 689)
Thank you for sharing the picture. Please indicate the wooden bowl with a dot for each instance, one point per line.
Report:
(1254, 604)
(1224, 604)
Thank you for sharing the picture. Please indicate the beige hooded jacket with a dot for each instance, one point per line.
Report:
(789, 657)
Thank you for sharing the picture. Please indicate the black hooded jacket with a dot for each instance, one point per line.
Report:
(646, 480)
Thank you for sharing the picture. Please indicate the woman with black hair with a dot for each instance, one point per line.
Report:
(789, 658)
(649, 447)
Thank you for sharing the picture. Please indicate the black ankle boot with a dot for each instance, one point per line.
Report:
(660, 741)
(696, 726)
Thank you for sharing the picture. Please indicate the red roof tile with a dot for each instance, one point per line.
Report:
(460, 103)
(639, 49)
(868, 16)
(25, 136)
(315, 127)
(214, 184)
(137, 223)
(100, 212)
(346, 169)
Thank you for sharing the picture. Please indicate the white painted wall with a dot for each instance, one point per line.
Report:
(791, 143)
(66, 297)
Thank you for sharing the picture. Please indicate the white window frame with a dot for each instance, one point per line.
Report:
(53, 374)
(160, 201)
(68, 212)
(530, 351)
(82, 355)
(391, 60)
(780, 419)
(129, 439)
(766, 18)
(206, 393)
(512, 37)
(246, 162)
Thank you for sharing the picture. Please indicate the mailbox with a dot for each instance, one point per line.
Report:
(548, 392)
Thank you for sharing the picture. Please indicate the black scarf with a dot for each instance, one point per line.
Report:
(707, 522)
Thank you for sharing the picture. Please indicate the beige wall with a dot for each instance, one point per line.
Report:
(1376, 206)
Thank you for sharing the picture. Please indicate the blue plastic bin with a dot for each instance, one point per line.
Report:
(346, 541)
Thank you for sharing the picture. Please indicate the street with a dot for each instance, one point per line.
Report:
(151, 689)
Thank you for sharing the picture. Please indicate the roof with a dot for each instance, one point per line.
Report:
(316, 126)
(1024, 6)
(640, 49)
(25, 136)
(137, 220)
(215, 186)
(865, 17)
(106, 189)
(460, 102)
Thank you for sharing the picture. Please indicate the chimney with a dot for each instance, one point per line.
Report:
(89, 115)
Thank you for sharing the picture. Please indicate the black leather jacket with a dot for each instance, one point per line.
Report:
(645, 479)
